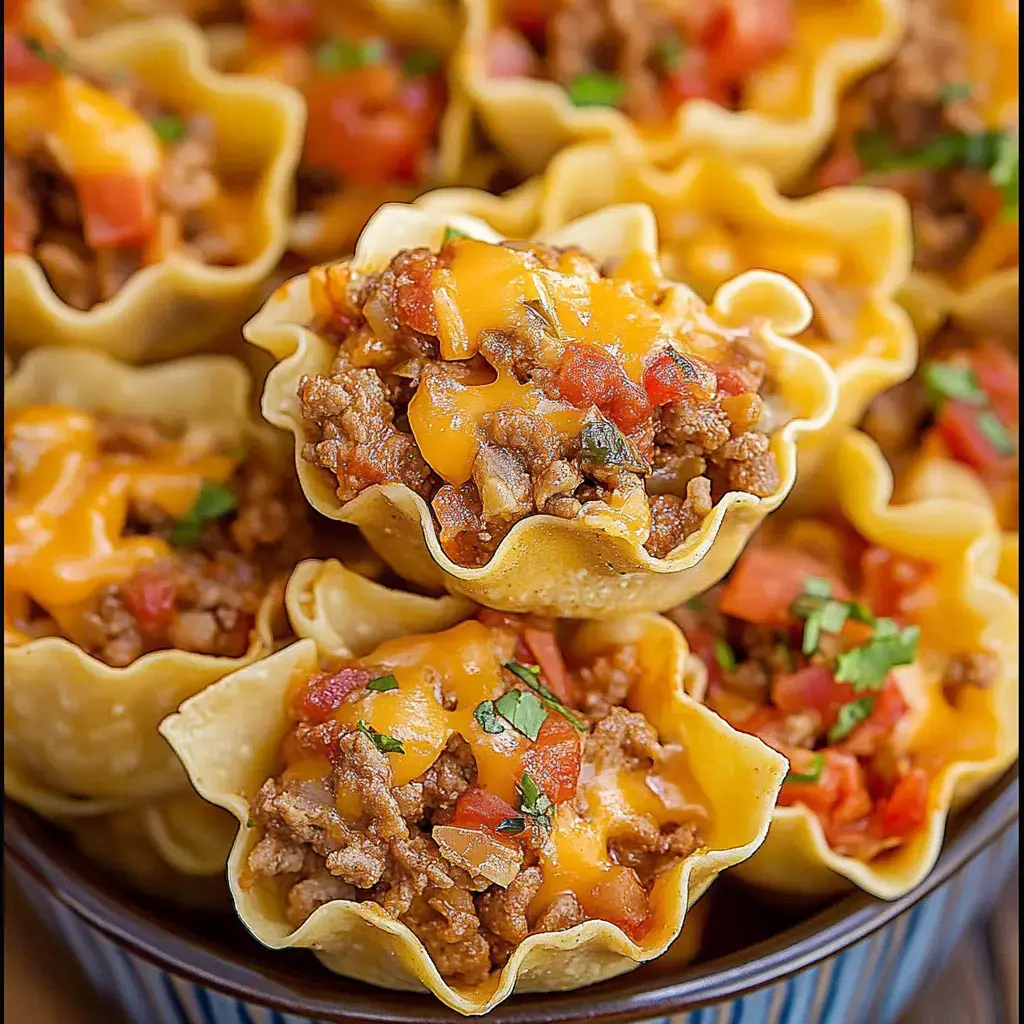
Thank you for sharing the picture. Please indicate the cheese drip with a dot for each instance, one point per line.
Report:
(65, 516)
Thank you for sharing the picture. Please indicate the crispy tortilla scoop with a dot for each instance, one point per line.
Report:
(247, 711)
(790, 104)
(178, 305)
(861, 237)
(80, 736)
(602, 570)
(969, 746)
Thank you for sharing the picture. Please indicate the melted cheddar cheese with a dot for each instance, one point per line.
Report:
(466, 663)
(88, 130)
(64, 518)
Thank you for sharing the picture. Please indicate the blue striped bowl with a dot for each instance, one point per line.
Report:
(856, 962)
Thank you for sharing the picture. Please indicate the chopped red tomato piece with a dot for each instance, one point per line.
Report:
(21, 65)
(812, 689)
(743, 35)
(543, 645)
(959, 427)
(671, 376)
(20, 223)
(843, 167)
(150, 596)
(691, 79)
(890, 581)
(620, 898)
(371, 125)
(117, 208)
(588, 375)
(998, 375)
(840, 794)
(906, 809)
(478, 808)
(765, 582)
(325, 692)
(529, 16)
(277, 22)
(889, 708)
(553, 761)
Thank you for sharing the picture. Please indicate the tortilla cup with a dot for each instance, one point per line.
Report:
(974, 743)
(80, 736)
(789, 112)
(178, 305)
(603, 568)
(718, 218)
(248, 710)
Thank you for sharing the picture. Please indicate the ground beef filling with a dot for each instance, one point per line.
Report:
(43, 201)
(919, 100)
(204, 597)
(695, 449)
(468, 925)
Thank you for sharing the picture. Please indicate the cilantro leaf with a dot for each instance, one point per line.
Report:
(421, 62)
(849, 717)
(212, 502)
(1005, 174)
(511, 826)
(487, 717)
(724, 655)
(530, 674)
(50, 54)
(947, 380)
(169, 128)
(867, 666)
(817, 766)
(995, 433)
(670, 52)
(382, 684)
(523, 711)
(602, 443)
(346, 54)
(696, 604)
(596, 90)
(450, 234)
(384, 743)
(534, 802)
(822, 614)
(952, 91)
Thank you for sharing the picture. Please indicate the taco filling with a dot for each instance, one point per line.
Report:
(502, 380)
(962, 404)
(924, 126)
(102, 179)
(374, 102)
(125, 537)
(647, 59)
(810, 645)
(478, 789)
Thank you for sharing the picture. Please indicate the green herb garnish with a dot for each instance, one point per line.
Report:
(384, 743)
(947, 380)
(421, 62)
(953, 91)
(1005, 175)
(867, 666)
(511, 826)
(346, 54)
(995, 433)
(696, 604)
(169, 128)
(450, 234)
(849, 717)
(596, 90)
(822, 614)
(523, 711)
(382, 684)
(602, 443)
(487, 718)
(670, 52)
(534, 802)
(52, 55)
(817, 766)
(724, 655)
(212, 502)
(530, 674)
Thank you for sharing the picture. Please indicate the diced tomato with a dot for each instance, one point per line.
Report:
(21, 65)
(734, 380)
(998, 375)
(957, 425)
(672, 377)
(325, 692)
(281, 21)
(117, 208)
(743, 35)
(840, 794)
(414, 294)
(889, 708)
(843, 167)
(529, 16)
(371, 125)
(150, 596)
(20, 223)
(589, 375)
(509, 55)
(765, 582)
(543, 645)
(906, 809)
(890, 581)
(478, 808)
(691, 79)
(553, 761)
(812, 689)
(620, 898)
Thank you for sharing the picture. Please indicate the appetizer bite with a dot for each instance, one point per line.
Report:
(871, 647)
(382, 125)
(485, 410)
(508, 803)
(145, 195)
(939, 124)
(849, 250)
(756, 78)
(149, 527)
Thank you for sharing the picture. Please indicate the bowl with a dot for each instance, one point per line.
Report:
(856, 961)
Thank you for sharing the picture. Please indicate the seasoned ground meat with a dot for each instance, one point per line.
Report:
(977, 668)
(180, 212)
(205, 594)
(695, 433)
